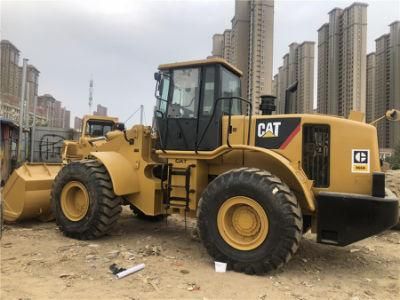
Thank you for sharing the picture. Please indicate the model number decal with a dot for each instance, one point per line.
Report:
(360, 161)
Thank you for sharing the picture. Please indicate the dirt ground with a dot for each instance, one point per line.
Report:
(38, 262)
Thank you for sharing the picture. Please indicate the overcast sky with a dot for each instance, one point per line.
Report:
(121, 43)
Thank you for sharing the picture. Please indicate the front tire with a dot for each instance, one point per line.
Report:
(83, 201)
(250, 219)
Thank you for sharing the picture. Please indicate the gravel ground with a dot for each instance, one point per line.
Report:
(38, 262)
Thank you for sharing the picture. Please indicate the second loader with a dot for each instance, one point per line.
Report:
(27, 192)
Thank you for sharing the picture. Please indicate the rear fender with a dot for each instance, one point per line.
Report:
(123, 176)
(290, 173)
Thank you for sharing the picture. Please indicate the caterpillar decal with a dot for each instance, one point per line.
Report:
(276, 133)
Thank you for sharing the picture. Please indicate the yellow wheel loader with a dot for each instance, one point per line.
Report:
(254, 182)
(27, 191)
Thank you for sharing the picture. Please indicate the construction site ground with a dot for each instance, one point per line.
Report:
(38, 262)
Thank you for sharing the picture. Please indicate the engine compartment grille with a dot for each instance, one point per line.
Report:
(316, 152)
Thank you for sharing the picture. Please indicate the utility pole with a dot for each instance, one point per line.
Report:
(21, 108)
(141, 114)
(90, 95)
(33, 127)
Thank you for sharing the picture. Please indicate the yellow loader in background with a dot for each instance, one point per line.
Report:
(255, 183)
(27, 191)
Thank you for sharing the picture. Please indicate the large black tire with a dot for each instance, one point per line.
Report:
(282, 210)
(104, 206)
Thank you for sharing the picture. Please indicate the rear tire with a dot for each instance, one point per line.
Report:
(102, 208)
(258, 188)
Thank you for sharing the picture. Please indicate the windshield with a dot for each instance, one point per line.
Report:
(98, 128)
(230, 87)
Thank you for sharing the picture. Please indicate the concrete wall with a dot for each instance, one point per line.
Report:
(48, 143)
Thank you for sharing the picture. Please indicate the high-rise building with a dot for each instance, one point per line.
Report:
(78, 124)
(67, 119)
(9, 83)
(48, 110)
(221, 45)
(249, 46)
(323, 67)
(283, 84)
(297, 68)
(101, 111)
(387, 85)
(218, 45)
(342, 45)
(370, 95)
(260, 50)
(227, 52)
(395, 80)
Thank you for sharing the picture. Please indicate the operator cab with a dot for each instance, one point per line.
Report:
(98, 126)
(191, 99)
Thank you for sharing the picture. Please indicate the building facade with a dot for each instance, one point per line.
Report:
(249, 46)
(47, 113)
(387, 85)
(370, 95)
(297, 68)
(78, 124)
(342, 45)
(56, 115)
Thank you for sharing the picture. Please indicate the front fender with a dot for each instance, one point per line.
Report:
(123, 176)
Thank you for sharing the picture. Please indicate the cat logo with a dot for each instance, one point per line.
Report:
(360, 161)
(268, 130)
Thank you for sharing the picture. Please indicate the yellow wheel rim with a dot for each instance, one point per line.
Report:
(242, 223)
(74, 201)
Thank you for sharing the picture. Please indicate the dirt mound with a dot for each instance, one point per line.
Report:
(393, 184)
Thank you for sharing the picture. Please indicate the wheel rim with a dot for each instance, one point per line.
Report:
(74, 201)
(242, 223)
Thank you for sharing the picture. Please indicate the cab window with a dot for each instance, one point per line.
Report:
(163, 90)
(185, 93)
(230, 87)
(209, 90)
(98, 128)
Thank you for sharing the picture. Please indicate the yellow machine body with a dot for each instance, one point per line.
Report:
(131, 166)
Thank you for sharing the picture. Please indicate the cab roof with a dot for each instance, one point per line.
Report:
(202, 62)
(99, 118)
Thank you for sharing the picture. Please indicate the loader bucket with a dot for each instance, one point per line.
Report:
(27, 192)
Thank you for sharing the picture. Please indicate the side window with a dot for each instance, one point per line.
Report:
(209, 91)
(185, 97)
(163, 92)
(230, 88)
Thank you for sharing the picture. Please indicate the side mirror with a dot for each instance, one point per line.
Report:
(157, 76)
(393, 115)
(120, 126)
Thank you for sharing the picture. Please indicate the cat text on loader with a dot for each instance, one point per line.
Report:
(27, 191)
(255, 183)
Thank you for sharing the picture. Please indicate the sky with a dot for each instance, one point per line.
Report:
(120, 43)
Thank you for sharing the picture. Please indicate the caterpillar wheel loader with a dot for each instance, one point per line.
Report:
(255, 183)
(27, 191)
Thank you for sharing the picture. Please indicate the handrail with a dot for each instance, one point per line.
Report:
(158, 128)
(229, 120)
